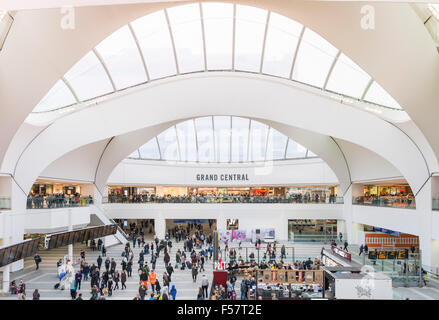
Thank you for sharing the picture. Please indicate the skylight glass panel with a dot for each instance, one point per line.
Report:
(314, 59)
(281, 43)
(153, 35)
(222, 131)
(348, 78)
(134, 155)
(59, 96)
(88, 78)
(186, 29)
(277, 142)
(121, 56)
(204, 130)
(240, 136)
(218, 31)
(249, 37)
(258, 141)
(311, 154)
(295, 150)
(150, 150)
(168, 144)
(377, 94)
(187, 140)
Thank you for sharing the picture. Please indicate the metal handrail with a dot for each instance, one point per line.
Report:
(217, 199)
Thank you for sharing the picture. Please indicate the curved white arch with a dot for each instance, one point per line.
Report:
(234, 94)
(326, 147)
(398, 29)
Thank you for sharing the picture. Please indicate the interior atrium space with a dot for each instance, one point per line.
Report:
(245, 150)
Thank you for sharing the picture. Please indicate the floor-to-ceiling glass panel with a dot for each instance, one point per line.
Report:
(152, 32)
(150, 150)
(59, 96)
(186, 29)
(282, 37)
(258, 141)
(295, 150)
(276, 145)
(218, 30)
(222, 130)
(88, 78)
(249, 37)
(168, 144)
(348, 78)
(187, 141)
(121, 56)
(377, 94)
(314, 59)
(240, 137)
(204, 130)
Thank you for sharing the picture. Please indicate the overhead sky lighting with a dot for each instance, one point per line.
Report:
(224, 139)
(214, 36)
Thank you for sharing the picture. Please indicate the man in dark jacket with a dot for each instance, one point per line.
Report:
(37, 259)
(99, 261)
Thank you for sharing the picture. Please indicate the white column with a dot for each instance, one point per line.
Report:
(160, 227)
(423, 213)
(6, 236)
(70, 223)
(347, 214)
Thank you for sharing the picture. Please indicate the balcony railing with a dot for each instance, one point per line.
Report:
(435, 204)
(49, 202)
(219, 199)
(5, 203)
(393, 202)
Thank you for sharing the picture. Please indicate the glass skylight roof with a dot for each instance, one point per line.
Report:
(212, 36)
(221, 139)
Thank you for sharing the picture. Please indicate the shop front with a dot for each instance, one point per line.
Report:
(312, 230)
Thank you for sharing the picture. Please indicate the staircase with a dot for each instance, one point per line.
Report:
(101, 216)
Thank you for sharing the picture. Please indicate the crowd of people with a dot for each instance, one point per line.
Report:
(234, 198)
(57, 200)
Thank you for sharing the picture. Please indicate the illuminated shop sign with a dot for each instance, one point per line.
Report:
(222, 177)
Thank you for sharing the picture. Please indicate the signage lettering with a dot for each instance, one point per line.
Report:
(222, 177)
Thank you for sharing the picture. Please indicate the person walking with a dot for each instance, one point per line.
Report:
(204, 285)
(194, 272)
(152, 279)
(123, 279)
(36, 295)
(37, 259)
(99, 261)
(361, 250)
(345, 247)
(173, 292)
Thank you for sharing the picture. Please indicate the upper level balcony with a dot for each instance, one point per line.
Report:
(386, 201)
(220, 199)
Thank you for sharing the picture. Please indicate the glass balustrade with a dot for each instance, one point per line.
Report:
(5, 203)
(218, 199)
(56, 201)
(393, 202)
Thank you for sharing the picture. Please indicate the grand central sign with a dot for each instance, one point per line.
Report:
(222, 177)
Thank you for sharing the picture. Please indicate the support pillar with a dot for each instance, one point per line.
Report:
(160, 227)
(6, 237)
(70, 246)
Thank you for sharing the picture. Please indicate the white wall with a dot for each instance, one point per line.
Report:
(251, 216)
(54, 220)
(306, 171)
(398, 219)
